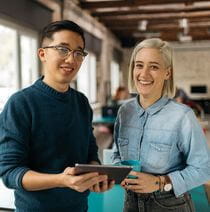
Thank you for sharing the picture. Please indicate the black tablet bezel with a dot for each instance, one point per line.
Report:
(117, 173)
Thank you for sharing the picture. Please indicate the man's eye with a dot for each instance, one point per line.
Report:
(63, 50)
(79, 53)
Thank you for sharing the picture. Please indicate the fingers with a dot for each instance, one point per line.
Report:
(131, 181)
(133, 173)
(88, 182)
(102, 186)
(70, 171)
(134, 187)
(92, 181)
(96, 188)
(106, 185)
(145, 183)
(111, 184)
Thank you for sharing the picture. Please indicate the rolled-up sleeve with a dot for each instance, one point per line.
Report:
(196, 155)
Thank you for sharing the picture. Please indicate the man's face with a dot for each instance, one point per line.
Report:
(58, 70)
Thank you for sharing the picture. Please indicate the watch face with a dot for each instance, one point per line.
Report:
(167, 187)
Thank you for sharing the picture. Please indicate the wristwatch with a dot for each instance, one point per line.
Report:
(167, 184)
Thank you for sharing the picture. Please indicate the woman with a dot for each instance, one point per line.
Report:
(164, 135)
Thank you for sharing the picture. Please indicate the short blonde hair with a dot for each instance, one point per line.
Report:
(166, 51)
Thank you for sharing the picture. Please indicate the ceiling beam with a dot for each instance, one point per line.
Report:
(126, 3)
(133, 10)
(192, 30)
(168, 36)
(158, 16)
(167, 26)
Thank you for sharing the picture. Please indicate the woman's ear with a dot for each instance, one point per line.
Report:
(41, 54)
(168, 73)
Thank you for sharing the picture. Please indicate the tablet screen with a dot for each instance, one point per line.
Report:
(117, 173)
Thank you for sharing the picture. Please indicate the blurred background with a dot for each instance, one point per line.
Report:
(112, 28)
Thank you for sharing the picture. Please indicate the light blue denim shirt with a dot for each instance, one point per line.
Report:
(167, 139)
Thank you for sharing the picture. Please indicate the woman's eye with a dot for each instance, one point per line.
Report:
(139, 66)
(154, 67)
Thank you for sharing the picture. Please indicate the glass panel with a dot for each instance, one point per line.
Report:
(115, 77)
(8, 82)
(28, 60)
(83, 77)
(92, 81)
(86, 78)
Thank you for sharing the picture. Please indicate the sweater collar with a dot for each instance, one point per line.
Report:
(51, 91)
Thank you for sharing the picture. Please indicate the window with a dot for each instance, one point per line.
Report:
(29, 71)
(86, 78)
(115, 77)
(8, 82)
(18, 61)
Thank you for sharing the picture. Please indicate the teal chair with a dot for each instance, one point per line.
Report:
(112, 201)
(200, 199)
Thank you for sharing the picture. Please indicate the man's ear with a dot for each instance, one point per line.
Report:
(41, 54)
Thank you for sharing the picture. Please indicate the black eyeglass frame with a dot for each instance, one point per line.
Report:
(84, 53)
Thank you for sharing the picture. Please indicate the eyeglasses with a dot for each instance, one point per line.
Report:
(65, 52)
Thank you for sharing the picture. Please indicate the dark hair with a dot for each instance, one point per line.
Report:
(56, 26)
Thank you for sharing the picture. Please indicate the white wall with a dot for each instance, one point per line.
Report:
(192, 66)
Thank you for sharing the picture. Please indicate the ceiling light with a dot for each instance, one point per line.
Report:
(183, 23)
(142, 25)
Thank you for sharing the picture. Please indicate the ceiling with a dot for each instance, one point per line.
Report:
(135, 20)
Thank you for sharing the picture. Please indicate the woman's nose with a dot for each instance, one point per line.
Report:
(144, 71)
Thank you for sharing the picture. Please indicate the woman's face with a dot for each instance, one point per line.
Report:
(149, 73)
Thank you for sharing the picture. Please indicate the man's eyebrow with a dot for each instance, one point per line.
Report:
(64, 44)
(67, 45)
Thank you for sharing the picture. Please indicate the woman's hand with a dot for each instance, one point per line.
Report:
(81, 182)
(145, 183)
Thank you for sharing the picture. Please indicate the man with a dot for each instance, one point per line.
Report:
(46, 128)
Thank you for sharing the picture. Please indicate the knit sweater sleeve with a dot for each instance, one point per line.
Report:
(14, 138)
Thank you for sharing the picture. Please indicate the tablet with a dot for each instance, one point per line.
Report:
(117, 173)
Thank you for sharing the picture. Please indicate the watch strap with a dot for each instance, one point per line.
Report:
(167, 179)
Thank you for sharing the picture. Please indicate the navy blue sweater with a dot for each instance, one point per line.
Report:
(45, 131)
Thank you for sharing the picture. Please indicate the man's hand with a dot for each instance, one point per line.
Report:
(81, 182)
(102, 186)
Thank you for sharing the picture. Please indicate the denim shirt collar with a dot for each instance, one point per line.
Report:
(157, 106)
